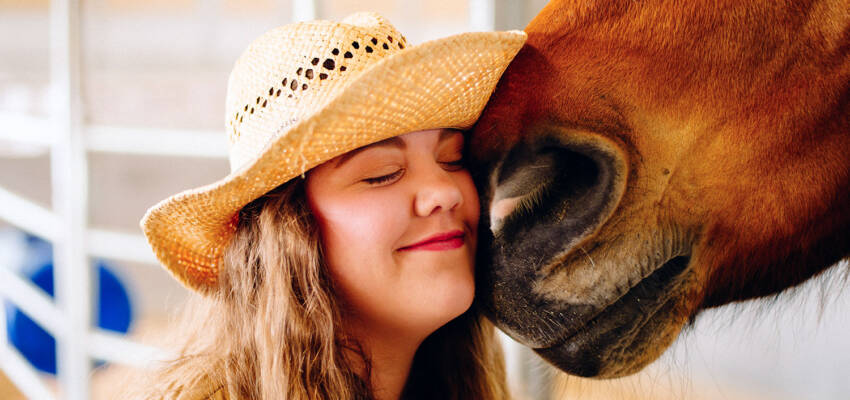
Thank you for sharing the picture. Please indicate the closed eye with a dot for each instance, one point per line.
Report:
(456, 165)
(384, 178)
(451, 166)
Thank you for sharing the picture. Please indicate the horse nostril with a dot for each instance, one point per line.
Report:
(522, 178)
(500, 209)
(553, 181)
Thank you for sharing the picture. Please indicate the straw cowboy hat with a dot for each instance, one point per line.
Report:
(304, 93)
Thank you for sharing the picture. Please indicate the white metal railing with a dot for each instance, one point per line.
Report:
(22, 374)
(63, 134)
(166, 142)
(33, 301)
(120, 246)
(103, 243)
(35, 131)
(26, 129)
(112, 347)
(27, 215)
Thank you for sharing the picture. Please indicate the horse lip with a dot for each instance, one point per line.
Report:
(669, 271)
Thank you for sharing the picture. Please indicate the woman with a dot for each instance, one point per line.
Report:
(336, 259)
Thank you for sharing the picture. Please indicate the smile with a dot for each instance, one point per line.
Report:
(445, 241)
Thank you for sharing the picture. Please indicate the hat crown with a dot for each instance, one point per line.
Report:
(292, 71)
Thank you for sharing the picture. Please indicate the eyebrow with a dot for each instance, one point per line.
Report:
(394, 141)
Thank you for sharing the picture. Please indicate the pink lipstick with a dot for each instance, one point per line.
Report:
(441, 241)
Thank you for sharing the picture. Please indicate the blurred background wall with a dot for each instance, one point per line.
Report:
(148, 73)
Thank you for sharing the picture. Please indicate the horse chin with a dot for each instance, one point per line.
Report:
(630, 333)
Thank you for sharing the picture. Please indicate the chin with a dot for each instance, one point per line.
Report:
(449, 295)
(458, 296)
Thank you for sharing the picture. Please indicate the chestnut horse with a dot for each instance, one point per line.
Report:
(641, 161)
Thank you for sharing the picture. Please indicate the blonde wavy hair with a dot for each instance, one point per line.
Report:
(272, 330)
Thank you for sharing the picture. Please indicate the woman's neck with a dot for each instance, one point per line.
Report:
(390, 353)
(391, 364)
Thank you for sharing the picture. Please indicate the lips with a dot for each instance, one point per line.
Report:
(441, 241)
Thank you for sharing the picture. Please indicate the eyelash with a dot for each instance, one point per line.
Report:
(454, 166)
(382, 179)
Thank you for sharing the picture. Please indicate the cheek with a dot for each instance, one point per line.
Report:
(359, 227)
(358, 236)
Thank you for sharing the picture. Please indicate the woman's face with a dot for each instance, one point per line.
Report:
(398, 223)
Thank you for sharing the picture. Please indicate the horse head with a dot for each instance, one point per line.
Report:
(641, 161)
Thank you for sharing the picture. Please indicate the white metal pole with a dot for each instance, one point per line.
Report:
(209, 15)
(489, 15)
(482, 15)
(72, 274)
(304, 10)
(510, 14)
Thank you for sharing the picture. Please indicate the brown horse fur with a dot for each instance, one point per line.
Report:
(644, 160)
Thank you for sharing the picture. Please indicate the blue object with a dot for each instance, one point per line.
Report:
(38, 346)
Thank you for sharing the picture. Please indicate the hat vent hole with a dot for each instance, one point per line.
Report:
(323, 76)
(400, 46)
(329, 64)
(277, 94)
(300, 70)
(347, 55)
(315, 61)
(374, 41)
(390, 38)
(342, 68)
(283, 82)
(355, 45)
(335, 52)
(368, 49)
(293, 84)
(304, 87)
(309, 74)
(386, 47)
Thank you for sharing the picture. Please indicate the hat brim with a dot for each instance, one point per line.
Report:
(444, 83)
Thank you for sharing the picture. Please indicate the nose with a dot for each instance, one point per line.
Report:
(435, 191)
